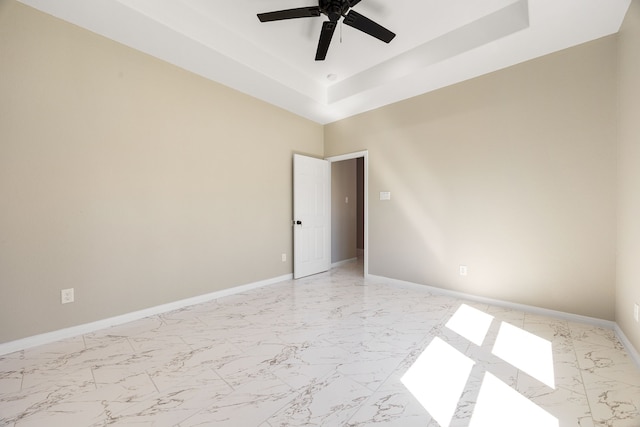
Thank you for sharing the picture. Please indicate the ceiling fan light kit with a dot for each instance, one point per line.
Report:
(334, 10)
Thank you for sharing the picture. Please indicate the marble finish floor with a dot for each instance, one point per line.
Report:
(328, 350)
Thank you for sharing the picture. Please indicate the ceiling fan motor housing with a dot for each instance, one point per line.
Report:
(334, 9)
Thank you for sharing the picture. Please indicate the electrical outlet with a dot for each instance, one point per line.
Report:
(636, 310)
(66, 296)
(463, 270)
(284, 257)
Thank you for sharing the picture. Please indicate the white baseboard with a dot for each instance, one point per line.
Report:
(49, 337)
(631, 350)
(501, 303)
(628, 346)
(608, 324)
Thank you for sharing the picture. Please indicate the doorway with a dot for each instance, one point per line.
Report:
(349, 208)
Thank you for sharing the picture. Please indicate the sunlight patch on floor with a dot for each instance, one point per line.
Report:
(438, 378)
(525, 351)
(499, 405)
(471, 323)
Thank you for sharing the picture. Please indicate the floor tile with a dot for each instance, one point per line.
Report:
(326, 350)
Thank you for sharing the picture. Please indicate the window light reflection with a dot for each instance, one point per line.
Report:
(499, 405)
(471, 323)
(526, 351)
(438, 378)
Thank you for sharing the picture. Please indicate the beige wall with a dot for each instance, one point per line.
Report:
(127, 178)
(512, 174)
(343, 215)
(628, 278)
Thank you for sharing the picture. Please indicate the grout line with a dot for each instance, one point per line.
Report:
(95, 383)
(584, 387)
(631, 350)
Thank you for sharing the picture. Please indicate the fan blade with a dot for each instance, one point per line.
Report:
(326, 35)
(353, 2)
(366, 25)
(279, 15)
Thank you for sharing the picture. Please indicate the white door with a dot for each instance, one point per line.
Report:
(311, 216)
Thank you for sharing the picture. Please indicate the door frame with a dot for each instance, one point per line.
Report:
(356, 155)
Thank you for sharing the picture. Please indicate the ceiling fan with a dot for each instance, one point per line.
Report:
(334, 9)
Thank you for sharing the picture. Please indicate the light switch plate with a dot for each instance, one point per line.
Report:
(385, 195)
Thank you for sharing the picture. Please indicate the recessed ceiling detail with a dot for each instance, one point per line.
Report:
(484, 30)
(438, 43)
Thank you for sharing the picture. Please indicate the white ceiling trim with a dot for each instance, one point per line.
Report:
(226, 46)
(483, 31)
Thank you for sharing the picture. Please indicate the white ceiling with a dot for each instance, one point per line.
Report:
(438, 43)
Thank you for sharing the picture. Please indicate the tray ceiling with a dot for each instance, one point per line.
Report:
(438, 43)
